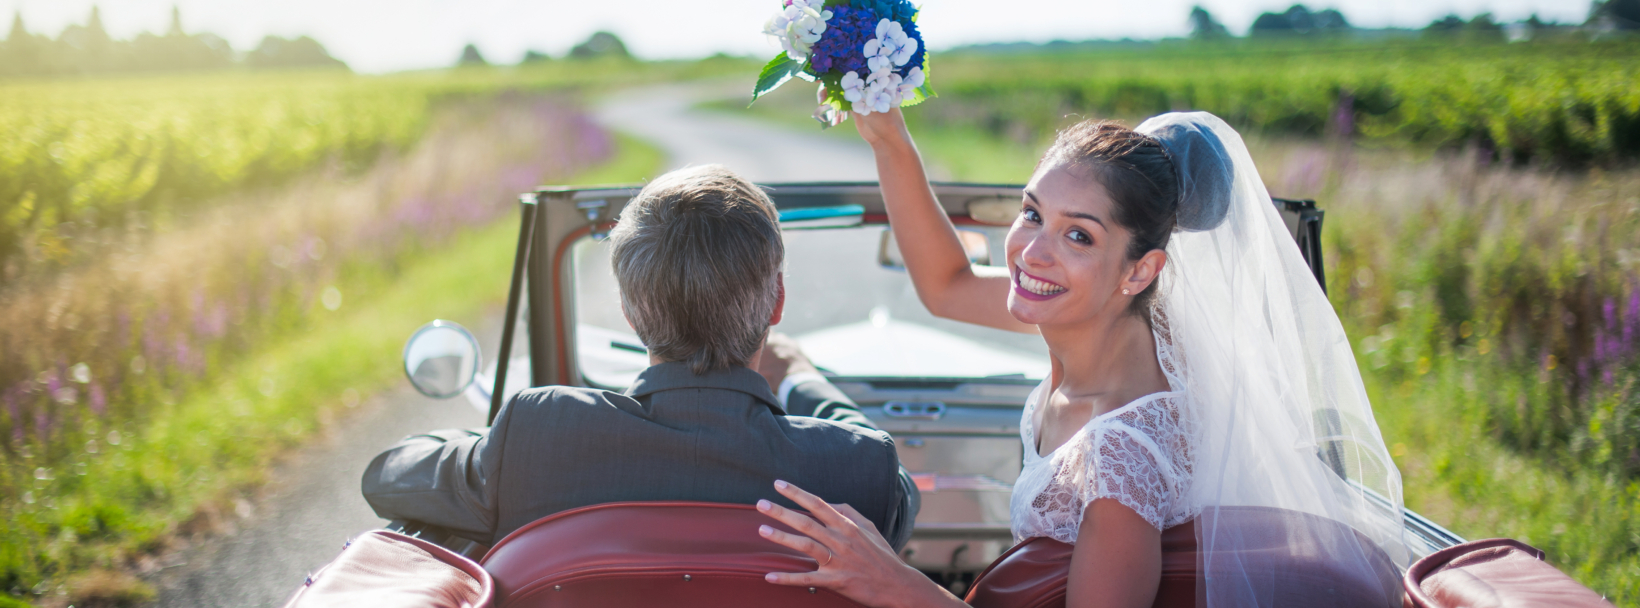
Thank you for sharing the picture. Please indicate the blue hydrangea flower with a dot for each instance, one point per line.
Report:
(846, 34)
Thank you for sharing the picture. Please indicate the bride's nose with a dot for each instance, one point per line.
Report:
(1036, 254)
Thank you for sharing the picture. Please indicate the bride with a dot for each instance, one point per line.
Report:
(1197, 372)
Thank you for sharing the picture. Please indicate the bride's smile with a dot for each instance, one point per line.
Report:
(1032, 288)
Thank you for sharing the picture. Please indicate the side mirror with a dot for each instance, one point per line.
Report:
(441, 359)
(974, 244)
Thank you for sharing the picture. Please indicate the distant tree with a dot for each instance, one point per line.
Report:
(600, 44)
(1329, 20)
(471, 56)
(1449, 24)
(1620, 14)
(1204, 27)
(23, 53)
(1484, 27)
(1298, 19)
(301, 52)
(88, 48)
(1271, 23)
(533, 56)
(177, 50)
(1481, 27)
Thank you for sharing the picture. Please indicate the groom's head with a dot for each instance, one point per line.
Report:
(697, 254)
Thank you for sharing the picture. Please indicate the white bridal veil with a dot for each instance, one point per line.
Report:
(1290, 468)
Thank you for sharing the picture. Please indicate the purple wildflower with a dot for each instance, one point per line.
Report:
(1632, 320)
(99, 401)
(42, 424)
(1344, 116)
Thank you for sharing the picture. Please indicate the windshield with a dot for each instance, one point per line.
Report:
(853, 316)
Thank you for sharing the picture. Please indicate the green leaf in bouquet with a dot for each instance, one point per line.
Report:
(774, 74)
(924, 92)
(806, 72)
(834, 3)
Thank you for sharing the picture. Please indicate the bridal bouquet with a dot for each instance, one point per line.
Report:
(866, 54)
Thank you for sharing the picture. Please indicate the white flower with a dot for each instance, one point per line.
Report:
(893, 42)
(913, 79)
(798, 27)
(882, 91)
(877, 60)
(854, 87)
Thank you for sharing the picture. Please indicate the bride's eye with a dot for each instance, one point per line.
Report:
(1030, 215)
(1081, 237)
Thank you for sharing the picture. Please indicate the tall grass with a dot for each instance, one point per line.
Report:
(1494, 312)
(128, 398)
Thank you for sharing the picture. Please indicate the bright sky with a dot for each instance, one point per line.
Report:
(388, 35)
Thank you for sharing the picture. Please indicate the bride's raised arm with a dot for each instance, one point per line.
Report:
(948, 285)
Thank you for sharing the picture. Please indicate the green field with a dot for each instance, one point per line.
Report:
(87, 160)
(254, 258)
(1563, 102)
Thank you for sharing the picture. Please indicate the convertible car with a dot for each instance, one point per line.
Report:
(950, 394)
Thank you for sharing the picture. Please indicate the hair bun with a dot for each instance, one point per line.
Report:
(1203, 165)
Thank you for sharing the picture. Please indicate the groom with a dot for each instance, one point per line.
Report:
(697, 255)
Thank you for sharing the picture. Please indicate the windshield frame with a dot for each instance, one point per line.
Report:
(568, 214)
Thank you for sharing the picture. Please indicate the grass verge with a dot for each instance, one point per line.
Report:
(189, 461)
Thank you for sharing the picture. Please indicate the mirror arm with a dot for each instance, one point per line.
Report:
(526, 234)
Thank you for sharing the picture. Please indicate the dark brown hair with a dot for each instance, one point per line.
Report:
(1139, 176)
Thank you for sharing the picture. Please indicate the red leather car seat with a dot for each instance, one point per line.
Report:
(1299, 568)
(675, 554)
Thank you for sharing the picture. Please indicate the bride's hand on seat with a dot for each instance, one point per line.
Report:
(855, 560)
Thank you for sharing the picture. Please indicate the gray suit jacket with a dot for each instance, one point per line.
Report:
(672, 436)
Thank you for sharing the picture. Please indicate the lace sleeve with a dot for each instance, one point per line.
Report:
(1123, 468)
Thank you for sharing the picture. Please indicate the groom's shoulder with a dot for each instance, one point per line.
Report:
(551, 399)
(817, 433)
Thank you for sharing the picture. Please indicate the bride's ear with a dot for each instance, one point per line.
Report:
(1145, 271)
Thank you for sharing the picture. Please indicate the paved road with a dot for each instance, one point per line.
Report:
(313, 503)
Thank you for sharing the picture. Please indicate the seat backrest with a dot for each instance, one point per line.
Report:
(1299, 567)
(1493, 572)
(679, 554)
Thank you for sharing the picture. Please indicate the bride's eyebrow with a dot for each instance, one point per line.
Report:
(1079, 214)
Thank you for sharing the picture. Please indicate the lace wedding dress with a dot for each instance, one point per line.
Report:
(1139, 455)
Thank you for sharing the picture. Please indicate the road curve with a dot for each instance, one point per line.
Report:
(312, 505)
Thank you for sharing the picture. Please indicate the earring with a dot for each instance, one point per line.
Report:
(1124, 292)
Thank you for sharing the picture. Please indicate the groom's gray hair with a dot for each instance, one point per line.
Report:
(697, 255)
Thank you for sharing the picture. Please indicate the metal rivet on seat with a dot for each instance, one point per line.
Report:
(686, 578)
(811, 590)
(557, 587)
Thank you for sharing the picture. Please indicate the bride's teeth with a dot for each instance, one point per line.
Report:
(1042, 288)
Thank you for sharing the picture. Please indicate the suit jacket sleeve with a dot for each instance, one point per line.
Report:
(897, 531)
(822, 400)
(443, 478)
